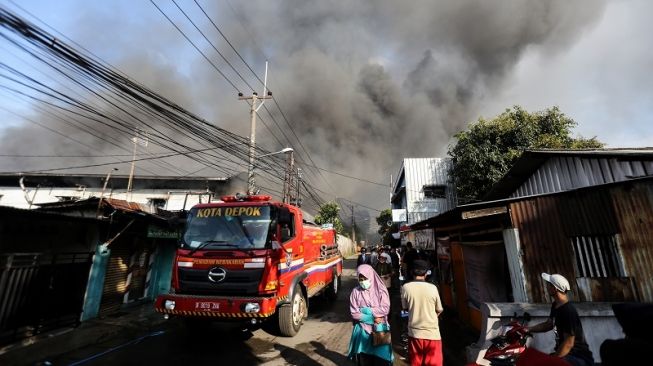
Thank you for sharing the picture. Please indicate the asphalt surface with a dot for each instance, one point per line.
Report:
(144, 339)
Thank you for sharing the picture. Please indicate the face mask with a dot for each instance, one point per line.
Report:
(366, 284)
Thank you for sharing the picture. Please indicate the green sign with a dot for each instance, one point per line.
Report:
(160, 233)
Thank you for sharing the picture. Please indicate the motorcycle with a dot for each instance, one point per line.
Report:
(510, 349)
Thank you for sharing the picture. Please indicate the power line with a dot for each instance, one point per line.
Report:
(195, 46)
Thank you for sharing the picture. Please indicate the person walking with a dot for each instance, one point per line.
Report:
(363, 258)
(407, 261)
(384, 270)
(369, 305)
(571, 344)
(374, 257)
(422, 301)
(396, 259)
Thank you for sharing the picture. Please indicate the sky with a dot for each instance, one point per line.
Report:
(363, 84)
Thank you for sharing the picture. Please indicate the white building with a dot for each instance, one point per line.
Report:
(169, 193)
(423, 188)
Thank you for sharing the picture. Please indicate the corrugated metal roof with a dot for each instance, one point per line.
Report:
(116, 204)
(548, 171)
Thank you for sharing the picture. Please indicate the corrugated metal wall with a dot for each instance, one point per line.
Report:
(545, 247)
(634, 207)
(564, 173)
(427, 171)
(548, 224)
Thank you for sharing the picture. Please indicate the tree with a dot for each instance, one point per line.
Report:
(386, 230)
(484, 153)
(328, 214)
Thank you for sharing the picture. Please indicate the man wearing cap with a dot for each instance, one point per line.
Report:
(422, 301)
(570, 339)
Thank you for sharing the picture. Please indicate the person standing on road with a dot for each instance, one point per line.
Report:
(384, 269)
(369, 305)
(407, 262)
(363, 258)
(396, 259)
(374, 257)
(570, 339)
(422, 301)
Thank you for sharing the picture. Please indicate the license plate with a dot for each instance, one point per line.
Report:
(207, 306)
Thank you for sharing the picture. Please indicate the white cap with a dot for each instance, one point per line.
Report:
(558, 281)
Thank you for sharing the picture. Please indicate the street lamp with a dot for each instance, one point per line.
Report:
(285, 150)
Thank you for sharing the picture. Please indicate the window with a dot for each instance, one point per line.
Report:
(434, 191)
(156, 202)
(288, 231)
(597, 256)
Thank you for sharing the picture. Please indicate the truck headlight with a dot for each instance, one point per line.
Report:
(252, 307)
(169, 304)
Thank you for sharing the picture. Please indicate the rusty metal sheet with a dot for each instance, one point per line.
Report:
(633, 205)
(127, 206)
(547, 225)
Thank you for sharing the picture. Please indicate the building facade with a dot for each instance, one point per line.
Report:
(168, 193)
(422, 188)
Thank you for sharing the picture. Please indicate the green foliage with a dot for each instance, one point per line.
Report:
(485, 152)
(384, 217)
(384, 230)
(328, 214)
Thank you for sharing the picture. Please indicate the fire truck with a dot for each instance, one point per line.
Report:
(251, 259)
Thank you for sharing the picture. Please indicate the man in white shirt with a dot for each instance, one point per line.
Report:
(422, 300)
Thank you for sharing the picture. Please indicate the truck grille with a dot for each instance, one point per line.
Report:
(237, 282)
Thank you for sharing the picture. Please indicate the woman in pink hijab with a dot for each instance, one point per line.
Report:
(369, 305)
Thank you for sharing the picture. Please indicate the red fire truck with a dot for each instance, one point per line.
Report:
(251, 259)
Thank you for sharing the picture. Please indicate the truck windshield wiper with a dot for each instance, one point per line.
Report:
(205, 243)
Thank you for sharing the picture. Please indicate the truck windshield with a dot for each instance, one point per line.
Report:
(245, 227)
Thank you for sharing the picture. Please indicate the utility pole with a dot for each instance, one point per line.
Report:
(288, 179)
(252, 128)
(298, 200)
(353, 225)
(136, 141)
(104, 188)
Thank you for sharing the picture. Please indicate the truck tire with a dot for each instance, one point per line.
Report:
(291, 316)
(333, 289)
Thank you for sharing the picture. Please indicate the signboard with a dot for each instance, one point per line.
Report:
(161, 233)
(424, 239)
(484, 212)
(485, 272)
(399, 215)
(444, 260)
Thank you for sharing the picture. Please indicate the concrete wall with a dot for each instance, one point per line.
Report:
(347, 246)
(598, 322)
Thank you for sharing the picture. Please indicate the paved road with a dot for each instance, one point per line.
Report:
(323, 340)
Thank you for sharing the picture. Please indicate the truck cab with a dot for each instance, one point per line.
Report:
(253, 259)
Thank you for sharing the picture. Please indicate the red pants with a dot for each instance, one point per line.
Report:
(424, 352)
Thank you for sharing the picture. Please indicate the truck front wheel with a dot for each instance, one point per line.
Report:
(333, 288)
(291, 316)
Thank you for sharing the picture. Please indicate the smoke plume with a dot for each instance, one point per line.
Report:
(363, 83)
